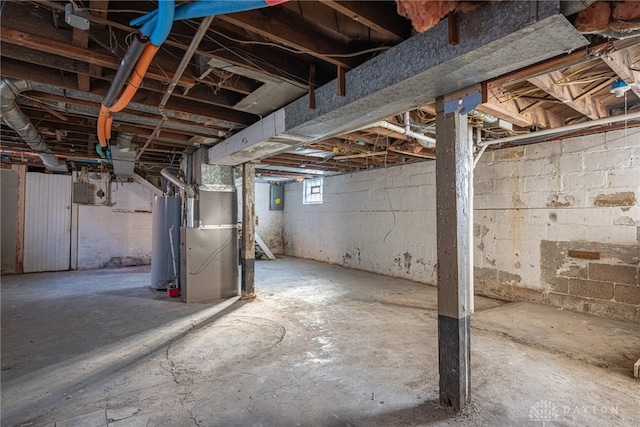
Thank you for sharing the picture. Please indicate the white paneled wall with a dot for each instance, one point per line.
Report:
(47, 233)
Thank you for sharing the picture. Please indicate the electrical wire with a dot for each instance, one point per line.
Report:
(298, 51)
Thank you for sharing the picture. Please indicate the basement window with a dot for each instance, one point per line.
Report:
(312, 191)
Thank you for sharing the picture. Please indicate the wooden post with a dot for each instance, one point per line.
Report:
(454, 160)
(22, 188)
(247, 286)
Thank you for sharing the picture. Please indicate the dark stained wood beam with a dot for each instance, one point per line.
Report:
(375, 16)
(290, 29)
(265, 60)
(12, 68)
(43, 44)
(81, 39)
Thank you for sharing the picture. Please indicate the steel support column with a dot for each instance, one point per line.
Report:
(248, 229)
(453, 166)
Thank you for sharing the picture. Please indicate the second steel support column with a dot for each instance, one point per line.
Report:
(247, 287)
(454, 160)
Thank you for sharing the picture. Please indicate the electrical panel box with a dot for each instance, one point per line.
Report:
(276, 198)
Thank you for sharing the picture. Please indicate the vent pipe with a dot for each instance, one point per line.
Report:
(186, 189)
(19, 122)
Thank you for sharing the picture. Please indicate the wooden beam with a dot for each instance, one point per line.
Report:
(374, 16)
(342, 82)
(580, 56)
(43, 44)
(424, 154)
(568, 94)
(271, 61)
(248, 230)
(622, 63)
(202, 93)
(289, 28)
(355, 156)
(81, 39)
(520, 112)
(312, 86)
(454, 248)
(22, 185)
(182, 106)
(452, 26)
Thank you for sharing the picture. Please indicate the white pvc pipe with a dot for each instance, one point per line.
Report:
(423, 139)
(577, 126)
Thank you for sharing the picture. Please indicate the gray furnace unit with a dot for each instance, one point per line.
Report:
(209, 252)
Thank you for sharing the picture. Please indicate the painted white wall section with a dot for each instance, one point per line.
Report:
(381, 220)
(270, 223)
(555, 223)
(117, 235)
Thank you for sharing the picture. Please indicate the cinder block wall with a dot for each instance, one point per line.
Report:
(555, 223)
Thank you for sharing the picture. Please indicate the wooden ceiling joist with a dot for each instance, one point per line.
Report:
(626, 65)
(378, 18)
(290, 29)
(550, 83)
(43, 44)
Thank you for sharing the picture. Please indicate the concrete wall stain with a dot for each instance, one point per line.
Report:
(407, 261)
(560, 201)
(625, 198)
(479, 231)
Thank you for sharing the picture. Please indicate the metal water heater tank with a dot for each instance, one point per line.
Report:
(166, 214)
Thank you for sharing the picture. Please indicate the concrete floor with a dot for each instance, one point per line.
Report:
(321, 346)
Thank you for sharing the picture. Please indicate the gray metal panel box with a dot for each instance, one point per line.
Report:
(276, 198)
(218, 208)
(209, 263)
(81, 192)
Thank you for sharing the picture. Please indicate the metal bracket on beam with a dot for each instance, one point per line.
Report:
(464, 100)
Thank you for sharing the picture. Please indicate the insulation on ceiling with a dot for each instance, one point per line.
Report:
(425, 14)
(600, 17)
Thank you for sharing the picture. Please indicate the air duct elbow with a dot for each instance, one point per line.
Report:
(20, 123)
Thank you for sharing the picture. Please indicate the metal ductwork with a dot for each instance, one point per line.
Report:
(123, 155)
(19, 122)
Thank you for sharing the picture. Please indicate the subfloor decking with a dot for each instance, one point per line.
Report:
(322, 345)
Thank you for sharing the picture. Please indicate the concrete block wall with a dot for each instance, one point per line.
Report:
(550, 220)
(382, 220)
(269, 224)
(116, 235)
(559, 223)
